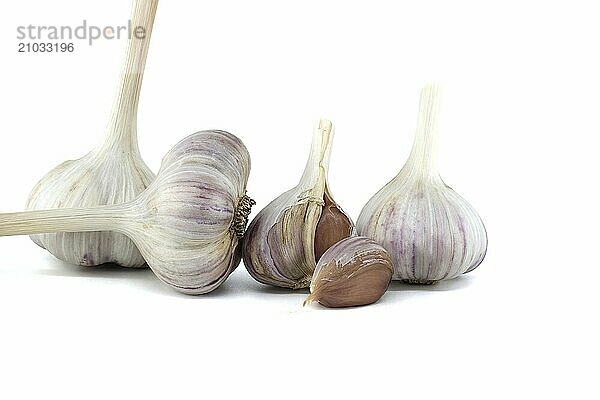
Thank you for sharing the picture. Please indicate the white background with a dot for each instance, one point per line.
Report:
(519, 141)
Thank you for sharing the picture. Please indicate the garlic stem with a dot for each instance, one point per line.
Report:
(315, 174)
(107, 218)
(122, 127)
(422, 161)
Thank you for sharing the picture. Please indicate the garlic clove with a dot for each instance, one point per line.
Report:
(113, 173)
(289, 235)
(430, 231)
(333, 226)
(188, 224)
(353, 272)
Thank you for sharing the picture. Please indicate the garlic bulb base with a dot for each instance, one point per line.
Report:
(242, 213)
(302, 284)
(419, 281)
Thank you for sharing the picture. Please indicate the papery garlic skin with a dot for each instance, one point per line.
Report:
(196, 211)
(96, 179)
(430, 231)
(287, 237)
(356, 271)
(113, 173)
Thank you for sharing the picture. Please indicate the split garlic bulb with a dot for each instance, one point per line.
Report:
(287, 238)
(356, 271)
(188, 224)
(113, 173)
(430, 231)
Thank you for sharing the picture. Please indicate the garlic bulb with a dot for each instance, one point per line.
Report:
(113, 173)
(290, 234)
(187, 224)
(356, 271)
(430, 231)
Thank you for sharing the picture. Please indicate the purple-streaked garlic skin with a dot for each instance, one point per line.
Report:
(354, 272)
(97, 179)
(113, 173)
(286, 238)
(430, 231)
(190, 221)
(278, 251)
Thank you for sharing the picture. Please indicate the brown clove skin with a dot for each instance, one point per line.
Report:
(333, 226)
(354, 272)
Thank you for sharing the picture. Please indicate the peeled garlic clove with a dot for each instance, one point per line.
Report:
(430, 231)
(189, 222)
(113, 173)
(353, 272)
(286, 238)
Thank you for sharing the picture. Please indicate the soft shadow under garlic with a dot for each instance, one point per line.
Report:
(448, 285)
(285, 240)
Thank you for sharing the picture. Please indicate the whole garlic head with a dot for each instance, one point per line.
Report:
(190, 222)
(113, 173)
(430, 231)
(287, 238)
(103, 177)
